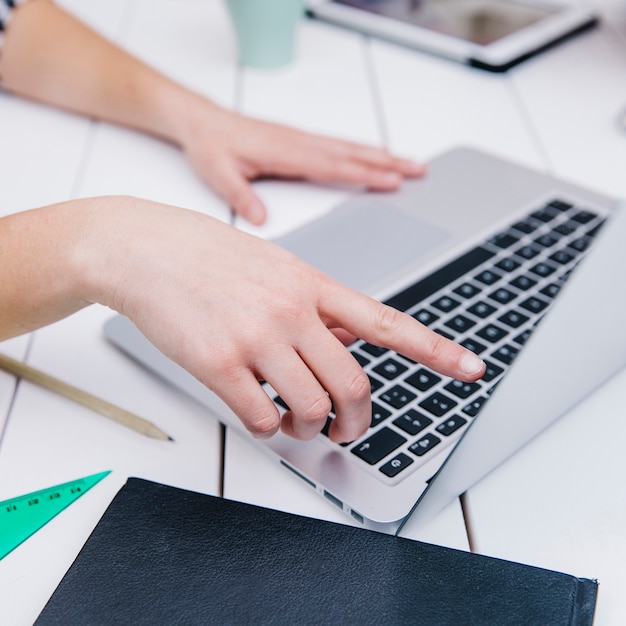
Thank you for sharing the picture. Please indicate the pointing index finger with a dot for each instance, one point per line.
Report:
(383, 325)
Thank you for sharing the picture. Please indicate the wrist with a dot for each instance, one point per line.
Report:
(202, 119)
(181, 113)
(101, 249)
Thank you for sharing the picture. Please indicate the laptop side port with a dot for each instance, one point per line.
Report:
(333, 499)
(298, 474)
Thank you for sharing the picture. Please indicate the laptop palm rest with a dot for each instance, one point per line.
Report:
(366, 243)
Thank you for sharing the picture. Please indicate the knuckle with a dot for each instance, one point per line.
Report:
(228, 367)
(387, 319)
(262, 425)
(317, 411)
(287, 309)
(435, 348)
(359, 387)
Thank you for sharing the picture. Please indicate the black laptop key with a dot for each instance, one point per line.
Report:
(425, 317)
(551, 290)
(451, 425)
(505, 354)
(396, 465)
(534, 305)
(424, 445)
(523, 283)
(527, 252)
(375, 384)
(562, 257)
(423, 379)
(526, 226)
(504, 240)
(584, 217)
(481, 309)
(488, 277)
(431, 284)
(580, 244)
(378, 446)
(361, 360)
(547, 241)
(508, 265)
(461, 389)
(560, 205)
(492, 333)
(373, 350)
(326, 429)
(491, 371)
(545, 215)
(473, 345)
(466, 290)
(460, 323)
(513, 319)
(522, 338)
(438, 404)
(278, 400)
(446, 304)
(543, 269)
(390, 369)
(502, 295)
(412, 422)
(474, 407)
(379, 414)
(567, 228)
(397, 396)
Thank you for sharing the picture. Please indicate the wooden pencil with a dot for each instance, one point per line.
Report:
(115, 413)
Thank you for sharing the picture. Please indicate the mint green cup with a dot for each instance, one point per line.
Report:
(266, 31)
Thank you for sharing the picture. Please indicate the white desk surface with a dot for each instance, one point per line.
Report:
(559, 503)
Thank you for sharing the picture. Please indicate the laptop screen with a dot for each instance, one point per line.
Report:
(477, 21)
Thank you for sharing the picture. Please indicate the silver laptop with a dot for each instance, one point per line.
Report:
(488, 253)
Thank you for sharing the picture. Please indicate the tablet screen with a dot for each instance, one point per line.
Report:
(477, 21)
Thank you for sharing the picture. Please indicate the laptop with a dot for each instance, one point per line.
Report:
(514, 264)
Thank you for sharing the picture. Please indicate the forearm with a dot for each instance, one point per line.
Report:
(45, 273)
(52, 57)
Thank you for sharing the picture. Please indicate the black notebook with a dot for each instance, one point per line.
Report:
(162, 555)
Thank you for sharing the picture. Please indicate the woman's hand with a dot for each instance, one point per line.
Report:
(234, 309)
(50, 56)
(229, 150)
(229, 307)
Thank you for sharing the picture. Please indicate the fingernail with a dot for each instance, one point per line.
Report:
(471, 364)
(256, 213)
(392, 179)
(416, 169)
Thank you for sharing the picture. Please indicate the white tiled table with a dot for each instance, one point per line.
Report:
(559, 503)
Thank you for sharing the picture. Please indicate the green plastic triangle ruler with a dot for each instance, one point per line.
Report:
(23, 516)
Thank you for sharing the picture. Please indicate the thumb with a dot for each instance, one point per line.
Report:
(238, 193)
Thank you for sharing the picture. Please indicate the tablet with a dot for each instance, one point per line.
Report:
(491, 34)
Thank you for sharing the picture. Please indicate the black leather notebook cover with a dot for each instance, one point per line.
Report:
(162, 555)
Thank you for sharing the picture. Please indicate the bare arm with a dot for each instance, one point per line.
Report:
(251, 309)
(50, 56)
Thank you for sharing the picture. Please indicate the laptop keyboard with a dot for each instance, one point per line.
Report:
(490, 299)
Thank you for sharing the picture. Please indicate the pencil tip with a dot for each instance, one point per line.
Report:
(169, 438)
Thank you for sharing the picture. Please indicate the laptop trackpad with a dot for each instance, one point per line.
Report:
(366, 243)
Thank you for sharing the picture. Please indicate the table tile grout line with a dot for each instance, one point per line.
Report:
(374, 87)
(530, 127)
(15, 390)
